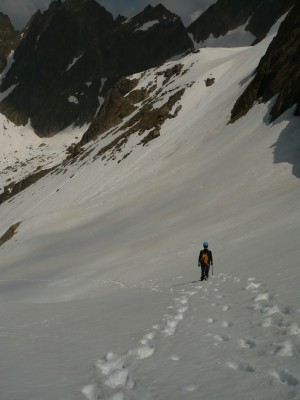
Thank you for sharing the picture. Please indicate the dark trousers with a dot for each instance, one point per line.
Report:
(204, 271)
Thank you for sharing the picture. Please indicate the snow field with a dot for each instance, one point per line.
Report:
(236, 345)
(99, 244)
(23, 153)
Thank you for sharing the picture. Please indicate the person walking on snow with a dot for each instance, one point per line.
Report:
(205, 261)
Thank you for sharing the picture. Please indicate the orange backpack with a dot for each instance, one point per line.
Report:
(205, 258)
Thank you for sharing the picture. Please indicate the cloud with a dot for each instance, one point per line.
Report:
(20, 11)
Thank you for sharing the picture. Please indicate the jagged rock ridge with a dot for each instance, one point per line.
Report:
(74, 52)
(9, 38)
(227, 15)
(277, 72)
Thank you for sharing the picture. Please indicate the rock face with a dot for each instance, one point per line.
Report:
(227, 15)
(277, 72)
(9, 38)
(9, 234)
(125, 101)
(74, 52)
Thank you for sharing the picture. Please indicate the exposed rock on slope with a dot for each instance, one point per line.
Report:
(130, 111)
(278, 72)
(123, 100)
(9, 38)
(74, 52)
(227, 15)
(16, 187)
(265, 15)
(9, 234)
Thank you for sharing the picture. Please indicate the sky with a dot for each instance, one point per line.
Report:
(20, 11)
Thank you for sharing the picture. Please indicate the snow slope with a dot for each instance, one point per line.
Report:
(238, 37)
(22, 152)
(103, 269)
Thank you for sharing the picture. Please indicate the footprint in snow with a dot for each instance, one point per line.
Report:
(252, 286)
(284, 377)
(246, 344)
(116, 371)
(294, 329)
(211, 320)
(267, 323)
(240, 366)
(221, 338)
(190, 388)
(262, 296)
(285, 349)
(226, 324)
(225, 308)
(275, 309)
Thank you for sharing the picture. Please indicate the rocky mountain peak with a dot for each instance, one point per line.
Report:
(222, 17)
(277, 72)
(227, 15)
(8, 39)
(74, 52)
(159, 12)
(89, 7)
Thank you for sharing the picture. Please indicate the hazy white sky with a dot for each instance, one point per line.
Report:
(20, 11)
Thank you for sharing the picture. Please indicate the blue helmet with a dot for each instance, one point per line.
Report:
(205, 244)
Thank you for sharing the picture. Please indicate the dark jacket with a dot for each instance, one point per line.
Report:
(205, 251)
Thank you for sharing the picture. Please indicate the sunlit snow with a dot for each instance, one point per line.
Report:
(100, 288)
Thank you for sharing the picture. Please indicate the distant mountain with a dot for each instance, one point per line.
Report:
(74, 52)
(70, 61)
(77, 65)
(227, 15)
(277, 72)
(9, 38)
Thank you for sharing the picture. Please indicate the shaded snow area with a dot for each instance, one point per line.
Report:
(100, 288)
(23, 153)
(147, 25)
(239, 37)
(73, 62)
(236, 38)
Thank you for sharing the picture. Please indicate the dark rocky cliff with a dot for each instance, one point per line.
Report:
(278, 72)
(9, 38)
(74, 52)
(227, 15)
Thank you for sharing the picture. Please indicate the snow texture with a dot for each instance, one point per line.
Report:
(99, 289)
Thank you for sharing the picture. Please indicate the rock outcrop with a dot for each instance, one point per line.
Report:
(9, 38)
(9, 234)
(73, 53)
(277, 72)
(227, 15)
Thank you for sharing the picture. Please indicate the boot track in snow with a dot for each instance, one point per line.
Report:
(270, 362)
